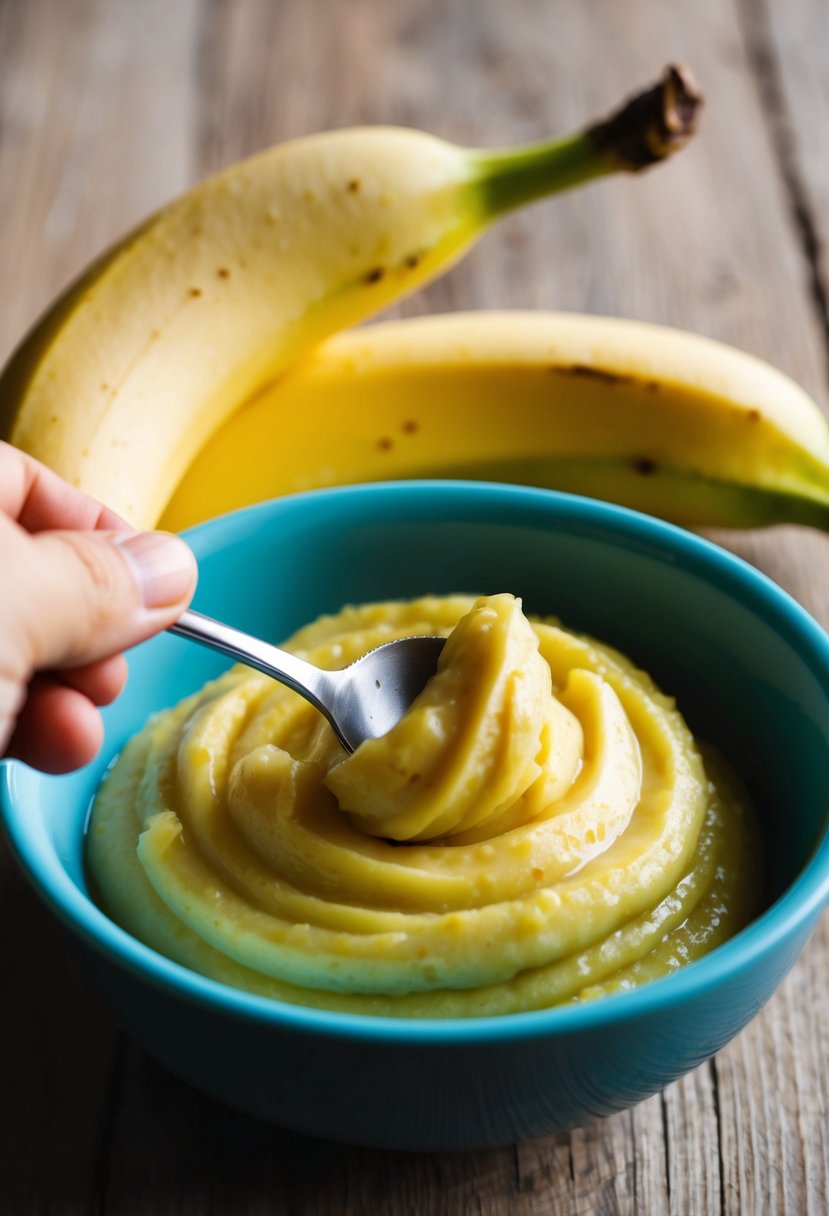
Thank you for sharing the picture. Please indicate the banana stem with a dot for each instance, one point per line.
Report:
(648, 128)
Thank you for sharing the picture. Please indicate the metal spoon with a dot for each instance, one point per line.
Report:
(362, 701)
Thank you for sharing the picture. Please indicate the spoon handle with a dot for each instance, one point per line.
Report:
(309, 681)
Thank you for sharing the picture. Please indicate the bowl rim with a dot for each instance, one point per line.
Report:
(792, 912)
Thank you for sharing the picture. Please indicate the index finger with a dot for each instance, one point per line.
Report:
(40, 501)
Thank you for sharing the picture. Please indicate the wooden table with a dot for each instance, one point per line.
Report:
(109, 108)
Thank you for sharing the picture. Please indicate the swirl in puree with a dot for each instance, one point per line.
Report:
(539, 827)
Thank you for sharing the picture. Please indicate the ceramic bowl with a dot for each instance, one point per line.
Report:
(750, 670)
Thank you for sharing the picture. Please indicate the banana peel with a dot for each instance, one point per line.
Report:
(192, 370)
(169, 333)
(676, 425)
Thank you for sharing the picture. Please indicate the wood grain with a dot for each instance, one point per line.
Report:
(108, 107)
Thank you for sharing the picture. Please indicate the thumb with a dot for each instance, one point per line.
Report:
(88, 595)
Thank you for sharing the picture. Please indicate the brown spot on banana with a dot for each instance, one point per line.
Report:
(587, 372)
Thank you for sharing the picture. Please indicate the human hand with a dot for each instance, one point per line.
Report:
(77, 586)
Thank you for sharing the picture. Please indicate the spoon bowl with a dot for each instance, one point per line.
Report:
(372, 694)
(361, 701)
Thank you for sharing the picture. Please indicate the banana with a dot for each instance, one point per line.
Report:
(656, 419)
(135, 367)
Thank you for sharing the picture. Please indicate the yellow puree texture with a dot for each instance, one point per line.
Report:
(539, 828)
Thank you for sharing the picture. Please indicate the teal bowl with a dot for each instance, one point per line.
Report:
(750, 670)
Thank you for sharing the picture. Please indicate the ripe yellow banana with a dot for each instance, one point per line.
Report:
(653, 418)
(136, 366)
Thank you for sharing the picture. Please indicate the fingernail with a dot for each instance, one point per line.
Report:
(164, 566)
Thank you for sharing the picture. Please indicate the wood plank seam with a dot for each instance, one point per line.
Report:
(764, 61)
(663, 1110)
(112, 1103)
(715, 1094)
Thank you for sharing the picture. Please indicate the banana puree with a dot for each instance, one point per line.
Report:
(539, 828)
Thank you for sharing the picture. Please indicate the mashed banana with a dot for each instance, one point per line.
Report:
(539, 828)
